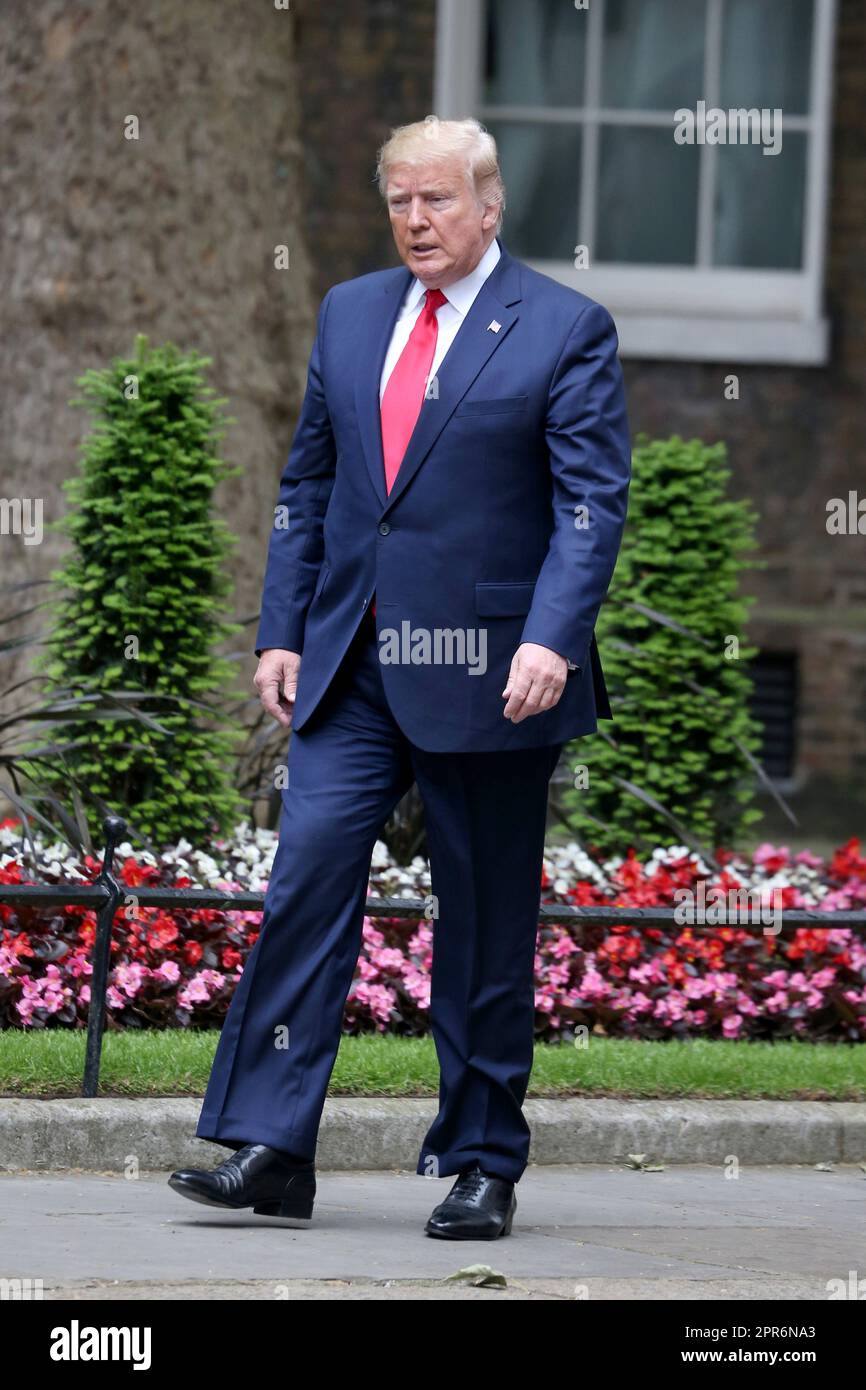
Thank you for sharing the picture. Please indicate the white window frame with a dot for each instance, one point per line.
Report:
(695, 313)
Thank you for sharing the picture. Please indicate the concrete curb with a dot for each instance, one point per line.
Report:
(105, 1135)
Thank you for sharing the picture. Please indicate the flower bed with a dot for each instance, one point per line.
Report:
(179, 968)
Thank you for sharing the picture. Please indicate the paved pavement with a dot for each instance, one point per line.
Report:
(584, 1231)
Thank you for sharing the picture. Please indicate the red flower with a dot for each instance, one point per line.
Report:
(135, 875)
(192, 952)
(805, 941)
(162, 933)
(848, 862)
(18, 944)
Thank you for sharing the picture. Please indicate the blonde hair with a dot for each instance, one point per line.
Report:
(431, 138)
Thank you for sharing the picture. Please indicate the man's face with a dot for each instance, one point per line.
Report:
(439, 229)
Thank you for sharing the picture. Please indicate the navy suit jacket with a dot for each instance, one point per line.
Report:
(502, 526)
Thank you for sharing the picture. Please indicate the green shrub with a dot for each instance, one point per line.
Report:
(143, 591)
(677, 764)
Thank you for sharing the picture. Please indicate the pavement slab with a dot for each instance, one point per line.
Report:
(580, 1232)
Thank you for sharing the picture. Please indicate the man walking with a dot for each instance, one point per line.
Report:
(447, 527)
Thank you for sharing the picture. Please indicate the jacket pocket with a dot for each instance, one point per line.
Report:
(504, 600)
(500, 406)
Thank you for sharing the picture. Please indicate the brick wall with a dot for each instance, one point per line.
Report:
(366, 66)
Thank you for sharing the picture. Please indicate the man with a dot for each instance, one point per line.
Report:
(448, 524)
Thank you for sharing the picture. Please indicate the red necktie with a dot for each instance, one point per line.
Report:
(404, 393)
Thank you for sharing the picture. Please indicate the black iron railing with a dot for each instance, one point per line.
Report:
(106, 895)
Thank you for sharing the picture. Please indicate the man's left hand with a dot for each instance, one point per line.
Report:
(535, 682)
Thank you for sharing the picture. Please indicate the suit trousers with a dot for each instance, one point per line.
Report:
(485, 816)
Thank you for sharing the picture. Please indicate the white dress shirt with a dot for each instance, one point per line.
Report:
(460, 296)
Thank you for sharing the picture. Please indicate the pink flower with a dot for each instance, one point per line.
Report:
(564, 945)
(772, 857)
(8, 961)
(370, 934)
(421, 942)
(388, 959)
(671, 1009)
(640, 1004)
(696, 988)
(558, 975)
(823, 979)
(650, 972)
(592, 986)
(380, 1000)
(777, 978)
(77, 965)
(48, 995)
(417, 986)
(200, 988)
(812, 861)
(130, 978)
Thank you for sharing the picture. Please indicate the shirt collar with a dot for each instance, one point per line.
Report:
(462, 293)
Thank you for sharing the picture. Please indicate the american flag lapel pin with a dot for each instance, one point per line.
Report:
(493, 326)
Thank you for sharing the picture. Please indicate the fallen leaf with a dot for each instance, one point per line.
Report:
(479, 1276)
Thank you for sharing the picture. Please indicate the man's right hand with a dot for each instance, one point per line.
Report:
(276, 680)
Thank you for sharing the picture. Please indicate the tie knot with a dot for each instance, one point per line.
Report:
(435, 298)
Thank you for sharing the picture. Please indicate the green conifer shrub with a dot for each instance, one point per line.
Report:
(143, 594)
(677, 764)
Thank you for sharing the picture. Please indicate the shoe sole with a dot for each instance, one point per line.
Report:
(288, 1212)
(446, 1235)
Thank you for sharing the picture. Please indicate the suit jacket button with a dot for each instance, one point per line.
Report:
(384, 528)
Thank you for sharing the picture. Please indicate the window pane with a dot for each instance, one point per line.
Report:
(647, 197)
(653, 53)
(541, 170)
(535, 53)
(766, 52)
(759, 205)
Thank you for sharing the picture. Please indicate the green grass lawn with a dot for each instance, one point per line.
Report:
(176, 1063)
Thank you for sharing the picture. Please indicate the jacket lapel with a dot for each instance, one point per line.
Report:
(373, 343)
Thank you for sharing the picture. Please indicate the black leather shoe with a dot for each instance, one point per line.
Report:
(478, 1207)
(255, 1176)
